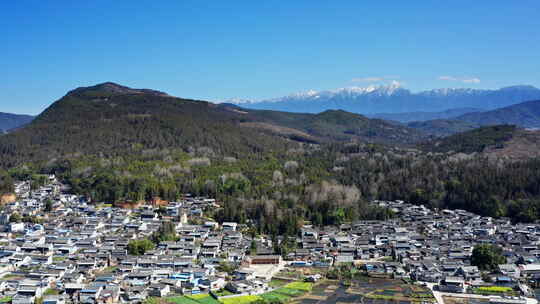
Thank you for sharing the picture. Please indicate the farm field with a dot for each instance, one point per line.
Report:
(367, 291)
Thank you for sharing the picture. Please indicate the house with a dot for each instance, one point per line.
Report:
(470, 273)
(212, 283)
(135, 294)
(73, 288)
(16, 227)
(452, 284)
(240, 286)
(54, 299)
(229, 226)
(90, 293)
(159, 290)
(20, 299)
(344, 259)
(509, 270)
(264, 260)
(530, 269)
(244, 274)
(109, 295)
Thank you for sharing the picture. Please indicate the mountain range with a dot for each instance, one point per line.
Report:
(111, 119)
(11, 121)
(394, 99)
(423, 116)
(117, 144)
(524, 115)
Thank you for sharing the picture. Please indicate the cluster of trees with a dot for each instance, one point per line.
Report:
(475, 140)
(140, 247)
(166, 232)
(485, 186)
(141, 146)
(326, 185)
(487, 257)
(6, 182)
(125, 124)
(17, 218)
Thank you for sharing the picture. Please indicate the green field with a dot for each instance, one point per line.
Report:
(304, 286)
(193, 299)
(494, 290)
(203, 299)
(5, 300)
(283, 294)
(275, 283)
(223, 293)
(275, 297)
(182, 300)
(240, 300)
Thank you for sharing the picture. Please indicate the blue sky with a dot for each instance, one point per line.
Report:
(215, 50)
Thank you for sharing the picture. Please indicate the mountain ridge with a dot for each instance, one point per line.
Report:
(9, 121)
(110, 119)
(424, 116)
(525, 115)
(394, 99)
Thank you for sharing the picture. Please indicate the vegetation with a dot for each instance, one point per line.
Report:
(166, 232)
(227, 267)
(180, 300)
(50, 292)
(241, 300)
(475, 140)
(442, 127)
(275, 297)
(203, 299)
(497, 289)
(140, 247)
(275, 283)
(525, 114)
(6, 182)
(487, 257)
(303, 286)
(223, 293)
(15, 217)
(116, 145)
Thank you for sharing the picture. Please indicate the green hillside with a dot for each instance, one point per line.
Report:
(101, 120)
(476, 140)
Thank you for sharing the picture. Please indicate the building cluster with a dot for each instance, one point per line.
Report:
(433, 246)
(79, 253)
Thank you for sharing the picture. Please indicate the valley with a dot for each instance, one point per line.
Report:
(218, 187)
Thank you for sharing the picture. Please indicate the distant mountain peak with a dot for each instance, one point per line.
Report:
(393, 88)
(393, 98)
(519, 87)
(111, 88)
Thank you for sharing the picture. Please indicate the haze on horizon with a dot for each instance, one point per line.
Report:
(220, 50)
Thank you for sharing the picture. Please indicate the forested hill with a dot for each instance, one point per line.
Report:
(476, 140)
(337, 125)
(497, 142)
(116, 144)
(110, 119)
(525, 114)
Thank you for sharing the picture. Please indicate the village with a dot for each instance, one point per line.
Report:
(57, 248)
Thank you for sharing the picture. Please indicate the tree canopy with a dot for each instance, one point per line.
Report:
(487, 257)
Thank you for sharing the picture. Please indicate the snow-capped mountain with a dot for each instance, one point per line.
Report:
(394, 99)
